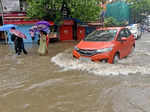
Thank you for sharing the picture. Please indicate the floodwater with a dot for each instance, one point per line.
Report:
(59, 83)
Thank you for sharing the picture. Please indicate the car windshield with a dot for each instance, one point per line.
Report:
(101, 35)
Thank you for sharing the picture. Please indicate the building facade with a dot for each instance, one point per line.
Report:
(14, 12)
(13, 5)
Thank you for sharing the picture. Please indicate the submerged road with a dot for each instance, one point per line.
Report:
(59, 83)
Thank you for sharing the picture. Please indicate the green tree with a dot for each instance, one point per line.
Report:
(85, 10)
(139, 9)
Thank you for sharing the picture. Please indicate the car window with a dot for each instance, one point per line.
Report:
(122, 33)
(128, 33)
(101, 35)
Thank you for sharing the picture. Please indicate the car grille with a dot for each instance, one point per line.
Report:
(87, 52)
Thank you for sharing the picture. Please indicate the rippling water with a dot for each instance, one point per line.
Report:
(59, 83)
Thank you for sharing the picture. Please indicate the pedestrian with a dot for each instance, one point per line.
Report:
(43, 46)
(32, 34)
(18, 43)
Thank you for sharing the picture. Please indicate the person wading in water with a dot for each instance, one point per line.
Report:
(18, 43)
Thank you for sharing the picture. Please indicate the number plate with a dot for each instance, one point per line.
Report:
(85, 59)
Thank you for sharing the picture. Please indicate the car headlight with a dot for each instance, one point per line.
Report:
(76, 48)
(104, 50)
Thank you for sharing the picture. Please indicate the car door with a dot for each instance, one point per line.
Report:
(130, 40)
(123, 45)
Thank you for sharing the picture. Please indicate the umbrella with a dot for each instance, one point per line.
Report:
(41, 25)
(18, 33)
(7, 27)
(33, 29)
(50, 23)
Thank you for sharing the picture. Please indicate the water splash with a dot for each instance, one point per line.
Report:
(131, 64)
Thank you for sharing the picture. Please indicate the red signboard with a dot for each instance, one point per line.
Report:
(10, 14)
(20, 22)
(17, 18)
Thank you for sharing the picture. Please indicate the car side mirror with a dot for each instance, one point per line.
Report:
(123, 39)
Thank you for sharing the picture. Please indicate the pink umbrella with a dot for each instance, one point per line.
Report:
(18, 33)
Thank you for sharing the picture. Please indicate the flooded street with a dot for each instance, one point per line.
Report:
(59, 83)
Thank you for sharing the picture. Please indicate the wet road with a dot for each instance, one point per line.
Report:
(59, 83)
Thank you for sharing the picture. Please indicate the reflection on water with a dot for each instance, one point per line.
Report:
(59, 83)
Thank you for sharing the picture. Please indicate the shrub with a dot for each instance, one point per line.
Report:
(112, 22)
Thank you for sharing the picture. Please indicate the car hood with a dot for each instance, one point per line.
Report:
(94, 45)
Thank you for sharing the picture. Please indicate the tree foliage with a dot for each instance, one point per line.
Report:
(139, 9)
(85, 10)
(112, 22)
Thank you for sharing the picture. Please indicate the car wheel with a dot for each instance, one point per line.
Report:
(139, 36)
(136, 38)
(148, 29)
(116, 58)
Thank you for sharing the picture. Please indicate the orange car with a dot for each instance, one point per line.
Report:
(105, 44)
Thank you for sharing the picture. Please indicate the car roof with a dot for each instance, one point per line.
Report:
(110, 28)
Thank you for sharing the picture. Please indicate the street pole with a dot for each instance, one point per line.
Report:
(1, 3)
